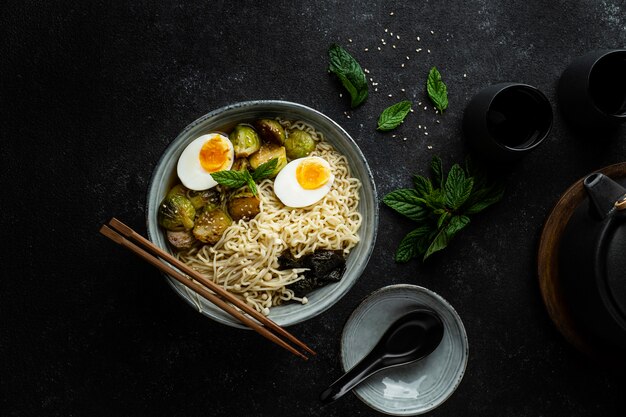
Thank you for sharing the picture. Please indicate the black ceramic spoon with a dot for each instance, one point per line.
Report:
(410, 338)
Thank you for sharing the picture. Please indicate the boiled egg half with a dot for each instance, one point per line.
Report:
(205, 155)
(303, 181)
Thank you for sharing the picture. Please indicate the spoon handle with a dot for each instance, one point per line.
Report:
(366, 367)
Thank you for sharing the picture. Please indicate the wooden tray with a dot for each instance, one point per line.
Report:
(548, 264)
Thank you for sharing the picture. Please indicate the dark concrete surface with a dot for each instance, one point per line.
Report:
(92, 92)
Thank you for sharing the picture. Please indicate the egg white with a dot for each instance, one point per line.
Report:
(291, 193)
(189, 168)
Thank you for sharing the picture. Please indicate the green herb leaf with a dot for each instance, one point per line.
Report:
(446, 233)
(485, 198)
(423, 186)
(409, 245)
(437, 90)
(457, 188)
(349, 72)
(235, 179)
(437, 167)
(406, 202)
(265, 170)
(393, 115)
(232, 179)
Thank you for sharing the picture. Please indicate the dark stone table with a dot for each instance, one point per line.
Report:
(91, 93)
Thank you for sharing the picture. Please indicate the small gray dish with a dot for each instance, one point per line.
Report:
(223, 119)
(418, 387)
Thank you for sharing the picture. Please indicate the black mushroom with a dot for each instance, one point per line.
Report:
(324, 267)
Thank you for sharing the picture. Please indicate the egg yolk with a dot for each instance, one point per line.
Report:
(312, 174)
(214, 154)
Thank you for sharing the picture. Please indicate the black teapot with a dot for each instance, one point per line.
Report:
(592, 262)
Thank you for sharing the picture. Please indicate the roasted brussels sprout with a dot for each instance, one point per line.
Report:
(299, 144)
(243, 205)
(267, 152)
(200, 199)
(211, 224)
(245, 140)
(181, 239)
(178, 189)
(271, 131)
(176, 213)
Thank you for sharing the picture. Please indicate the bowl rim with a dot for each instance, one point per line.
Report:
(345, 136)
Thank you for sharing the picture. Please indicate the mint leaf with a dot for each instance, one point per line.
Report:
(446, 233)
(393, 115)
(349, 72)
(485, 198)
(265, 170)
(437, 90)
(437, 168)
(235, 179)
(409, 245)
(423, 186)
(232, 179)
(406, 202)
(457, 188)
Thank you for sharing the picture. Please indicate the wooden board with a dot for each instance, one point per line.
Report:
(548, 262)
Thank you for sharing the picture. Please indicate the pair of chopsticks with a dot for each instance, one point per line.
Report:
(118, 232)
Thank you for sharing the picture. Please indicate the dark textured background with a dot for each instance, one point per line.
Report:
(92, 92)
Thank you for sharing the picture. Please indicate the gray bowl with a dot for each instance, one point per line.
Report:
(321, 299)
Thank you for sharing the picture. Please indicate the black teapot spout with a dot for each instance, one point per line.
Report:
(603, 193)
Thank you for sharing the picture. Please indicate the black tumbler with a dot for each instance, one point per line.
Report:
(505, 121)
(592, 90)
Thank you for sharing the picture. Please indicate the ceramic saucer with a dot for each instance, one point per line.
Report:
(413, 388)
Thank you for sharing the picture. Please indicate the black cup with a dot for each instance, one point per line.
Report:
(505, 121)
(592, 90)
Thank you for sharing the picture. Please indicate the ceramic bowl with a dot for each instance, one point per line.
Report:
(414, 388)
(164, 176)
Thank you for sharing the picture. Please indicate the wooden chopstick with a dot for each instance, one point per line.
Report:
(221, 296)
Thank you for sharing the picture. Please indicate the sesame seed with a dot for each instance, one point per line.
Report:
(411, 110)
(403, 138)
(376, 89)
(340, 95)
(432, 32)
(402, 89)
(393, 136)
(382, 40)
(429, 51)
(418, 50)
(419, 126)
(425, 108)
(419, 104)
(391, 34)
(397, 36)
(426, 133)
(386, 30)
(366, 49)
(348, 116)
(350, 40)
(430, 147)
(394, 46)
(408, 57)
(438, 121)
(390, 95)
(464, 75)
(379, 48)
(402, 65)
(371, 79)
(366, 70)
(391, 14)
(418, 38)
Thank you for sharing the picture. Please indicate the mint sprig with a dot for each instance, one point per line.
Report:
(237, 179)
(349, 72)
(441, 206)
(437, 90)
(393, 115)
